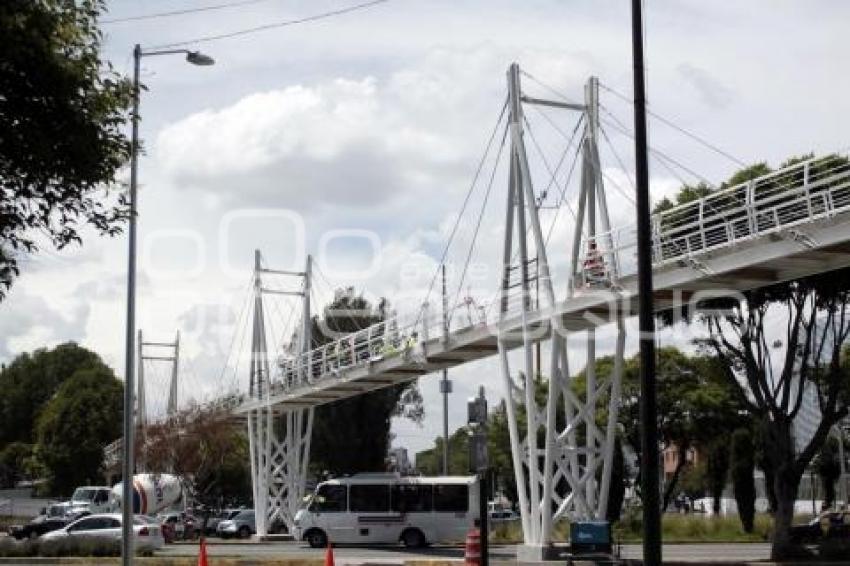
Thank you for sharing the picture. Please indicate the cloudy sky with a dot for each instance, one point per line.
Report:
(356, 139)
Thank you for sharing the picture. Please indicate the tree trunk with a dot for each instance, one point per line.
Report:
(786, 481)
(785, 496)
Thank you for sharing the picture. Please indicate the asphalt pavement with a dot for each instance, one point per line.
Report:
(504, 554)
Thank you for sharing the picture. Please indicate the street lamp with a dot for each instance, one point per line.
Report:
(196, 58)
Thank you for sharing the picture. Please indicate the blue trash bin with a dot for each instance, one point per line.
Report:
(590, 536)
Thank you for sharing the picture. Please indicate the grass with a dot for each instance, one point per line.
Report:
(675, 529)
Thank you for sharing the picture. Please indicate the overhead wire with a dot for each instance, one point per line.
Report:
(182, 12)
(274, 25)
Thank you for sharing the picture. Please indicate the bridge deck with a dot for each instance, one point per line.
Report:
(792, 223)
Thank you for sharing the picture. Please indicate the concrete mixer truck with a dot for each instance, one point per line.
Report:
(152, 493)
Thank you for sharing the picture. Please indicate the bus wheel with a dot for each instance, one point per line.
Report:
(316, 538)
(413, 538)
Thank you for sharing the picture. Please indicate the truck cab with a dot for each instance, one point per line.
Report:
(93, 499)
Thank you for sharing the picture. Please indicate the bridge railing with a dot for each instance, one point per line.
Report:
(805, 191)
(802, 192)
(399, 335)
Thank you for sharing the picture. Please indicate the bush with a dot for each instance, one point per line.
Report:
(56, 548)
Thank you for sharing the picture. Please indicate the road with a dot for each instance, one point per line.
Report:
(504, 554)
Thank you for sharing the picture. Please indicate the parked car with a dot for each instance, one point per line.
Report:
(108, 527)
(37, 527)
(829, 524)
(242, 525)
(216, 518)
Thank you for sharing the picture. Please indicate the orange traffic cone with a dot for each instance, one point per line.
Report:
(202, 554)
(329, 555)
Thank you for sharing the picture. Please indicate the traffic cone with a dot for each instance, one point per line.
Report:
(329, 555)
(202, 554)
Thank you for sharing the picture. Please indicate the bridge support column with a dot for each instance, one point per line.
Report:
(279, 440)
(564, 456)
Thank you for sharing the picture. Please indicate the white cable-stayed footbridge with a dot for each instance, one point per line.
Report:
(787, 224)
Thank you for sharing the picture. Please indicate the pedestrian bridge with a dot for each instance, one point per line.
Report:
(788, 224)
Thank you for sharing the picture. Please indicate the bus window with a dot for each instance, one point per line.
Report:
(411, 498)
(370, 498)
(330, 499)
(451, 498)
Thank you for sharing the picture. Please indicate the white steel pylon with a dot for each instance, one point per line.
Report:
(157, 355)
(279, 442)
(563, 457)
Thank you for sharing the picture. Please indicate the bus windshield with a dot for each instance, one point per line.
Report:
(329, 498)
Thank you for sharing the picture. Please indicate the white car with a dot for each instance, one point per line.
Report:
(148, 536)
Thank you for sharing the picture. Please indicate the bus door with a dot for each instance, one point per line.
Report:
(329, 512)
(369, 504)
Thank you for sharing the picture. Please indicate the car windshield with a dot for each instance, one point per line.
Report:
(83, 494)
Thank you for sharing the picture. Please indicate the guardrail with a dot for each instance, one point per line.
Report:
(810, 190)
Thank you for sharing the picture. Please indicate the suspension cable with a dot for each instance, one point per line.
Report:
(478, 223)
(464, 205)
(679, 129)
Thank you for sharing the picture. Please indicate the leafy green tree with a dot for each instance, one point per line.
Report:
(62, 112)
(694, 402)
(366, 418)
(30, 380)
(15, 461)
(207, 450)
(743, 480)
(75, 425)
(809, 315)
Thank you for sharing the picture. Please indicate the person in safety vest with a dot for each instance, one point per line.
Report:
(594, 266)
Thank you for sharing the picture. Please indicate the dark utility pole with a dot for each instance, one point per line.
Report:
(648, 408)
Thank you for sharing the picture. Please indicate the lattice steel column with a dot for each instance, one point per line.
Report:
(279, 443)
(555, 478)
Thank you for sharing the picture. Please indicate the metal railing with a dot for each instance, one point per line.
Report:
(810, 190)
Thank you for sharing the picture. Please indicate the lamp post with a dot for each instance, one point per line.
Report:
(196, 58)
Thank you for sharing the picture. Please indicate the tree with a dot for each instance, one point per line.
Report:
(694, 402)
(367, 417)
(717, 469)
(828, 467)
(743, 480)
(207, 450)
(30, 380)
(779, 345)
(15, 461)
(75, 425)
(62, 111)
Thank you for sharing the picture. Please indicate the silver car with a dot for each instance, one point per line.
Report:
(107, 527)
(242, 525)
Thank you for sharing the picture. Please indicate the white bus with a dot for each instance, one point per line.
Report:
(387, 509)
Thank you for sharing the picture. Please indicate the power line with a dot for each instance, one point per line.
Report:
(181, 12)
(275, 25)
